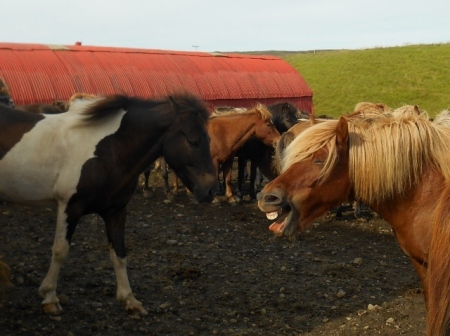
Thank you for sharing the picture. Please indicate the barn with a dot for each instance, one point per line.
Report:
(38, 73)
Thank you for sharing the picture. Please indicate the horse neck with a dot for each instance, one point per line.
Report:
(147, 138)
(231, 132)
(412, 211)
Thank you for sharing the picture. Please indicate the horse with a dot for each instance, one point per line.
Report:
(408, 158)
(228, 131)
(88, 160)
(284, 116)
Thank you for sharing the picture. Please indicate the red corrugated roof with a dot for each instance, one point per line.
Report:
(37, 73)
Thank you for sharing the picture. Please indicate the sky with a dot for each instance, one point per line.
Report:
(230, 25)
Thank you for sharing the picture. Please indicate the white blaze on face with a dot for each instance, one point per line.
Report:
(46, 163)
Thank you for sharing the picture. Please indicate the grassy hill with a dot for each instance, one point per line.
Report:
(397, 76)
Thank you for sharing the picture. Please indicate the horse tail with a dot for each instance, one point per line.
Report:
(437, 290)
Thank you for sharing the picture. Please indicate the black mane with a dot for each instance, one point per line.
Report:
(181, 102)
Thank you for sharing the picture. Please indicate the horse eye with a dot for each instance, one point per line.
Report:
(319, 162)
(194, 142)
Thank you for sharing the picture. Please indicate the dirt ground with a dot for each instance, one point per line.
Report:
(212, 270)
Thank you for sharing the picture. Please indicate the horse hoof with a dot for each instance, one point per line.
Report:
(232, 201)
(52, 308)
(136, 309)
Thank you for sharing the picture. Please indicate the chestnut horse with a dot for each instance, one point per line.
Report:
(88, 160)
(228, 131)
(408, 158)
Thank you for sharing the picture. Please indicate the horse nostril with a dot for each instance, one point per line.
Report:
(270, 199)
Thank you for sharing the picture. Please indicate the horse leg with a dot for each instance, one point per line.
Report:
(259, 179)
(251, 190)
(115, 231)
(146, 187)
(165, 175)
(357, 209)
(60, 251)
(422, 271)
(241, 171)
(226, 168)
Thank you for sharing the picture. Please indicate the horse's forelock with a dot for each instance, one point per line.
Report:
(263, 111)
(308, 142)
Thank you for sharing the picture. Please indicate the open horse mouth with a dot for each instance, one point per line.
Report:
(280, 218)
(280, 210)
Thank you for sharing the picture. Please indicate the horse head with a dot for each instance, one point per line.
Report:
(265, 129)
(186, 149)
(311, 182)
(284, 115)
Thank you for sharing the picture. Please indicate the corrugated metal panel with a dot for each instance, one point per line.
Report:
(44, 73)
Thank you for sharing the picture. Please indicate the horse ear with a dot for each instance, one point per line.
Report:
(173, 103)
(342, 132)
(417, 109)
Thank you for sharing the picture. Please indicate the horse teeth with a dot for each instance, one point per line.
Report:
(272, 215)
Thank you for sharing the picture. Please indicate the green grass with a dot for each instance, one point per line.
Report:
(409, 75)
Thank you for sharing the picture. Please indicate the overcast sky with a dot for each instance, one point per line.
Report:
(229, 25)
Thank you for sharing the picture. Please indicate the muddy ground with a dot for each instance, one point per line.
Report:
(212, 270)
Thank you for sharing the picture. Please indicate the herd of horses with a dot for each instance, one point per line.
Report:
(88, 159)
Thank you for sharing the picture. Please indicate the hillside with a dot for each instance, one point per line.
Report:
(396, 76)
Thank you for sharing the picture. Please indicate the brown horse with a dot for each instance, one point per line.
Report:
(408, 158)
(230, 131)
(88, 160)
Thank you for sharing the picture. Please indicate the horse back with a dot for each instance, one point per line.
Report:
(13, 125)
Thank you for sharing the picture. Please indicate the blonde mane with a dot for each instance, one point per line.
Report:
(263, 111)
(388, 151)
(82, 96)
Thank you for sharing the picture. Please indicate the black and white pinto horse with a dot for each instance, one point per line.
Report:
(88, 160)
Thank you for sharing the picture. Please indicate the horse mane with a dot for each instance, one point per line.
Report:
(261, 109)
(405, 140)
(443, 118)
(363, 107)
(226, 109)
(181, 102)
(82, 95)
